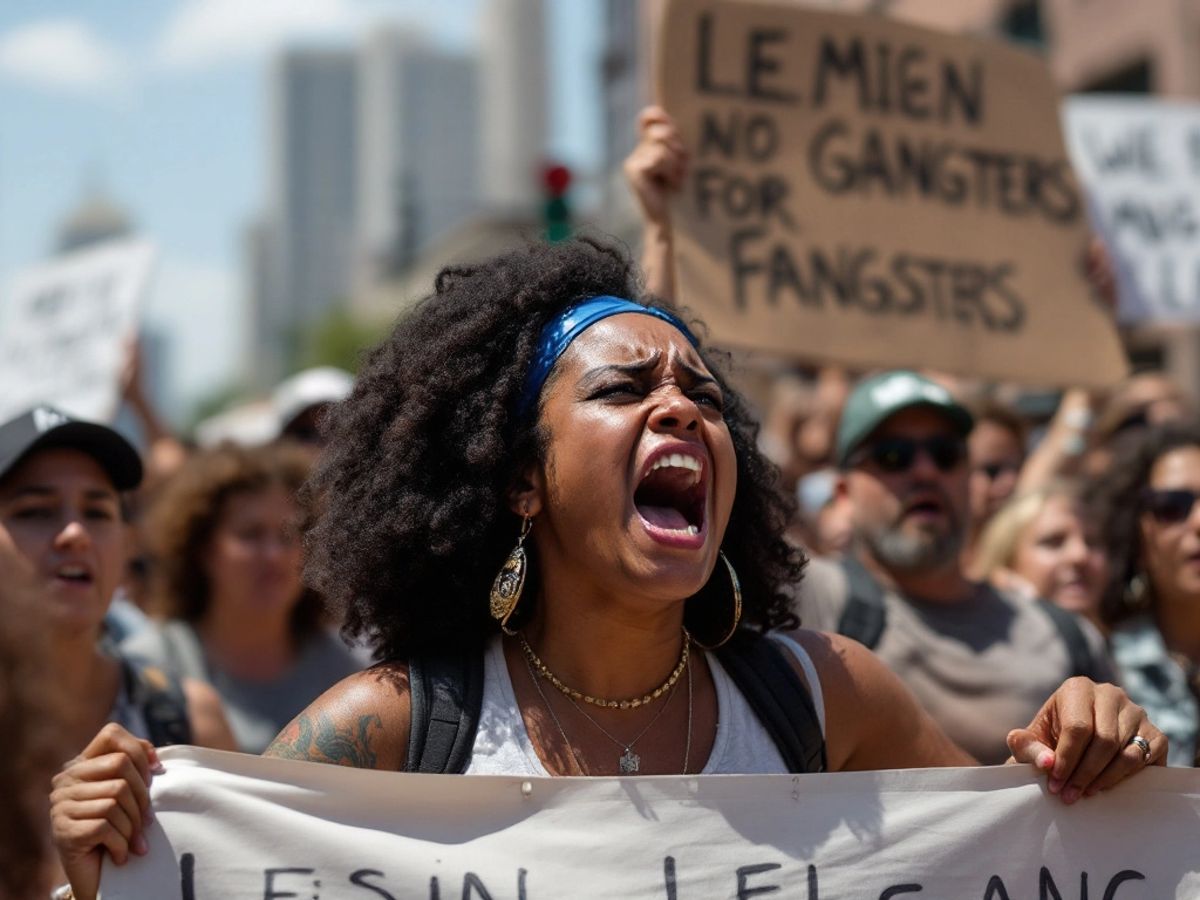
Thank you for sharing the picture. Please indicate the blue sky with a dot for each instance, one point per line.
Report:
(162, 102)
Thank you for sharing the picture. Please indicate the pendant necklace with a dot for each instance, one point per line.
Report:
(630, 762)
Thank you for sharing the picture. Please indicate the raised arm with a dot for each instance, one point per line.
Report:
(655, 169)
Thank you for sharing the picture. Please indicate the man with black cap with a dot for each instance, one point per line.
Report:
(975, 657)
(61, 520)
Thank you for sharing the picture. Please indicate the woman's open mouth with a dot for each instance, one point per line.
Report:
(671, 497)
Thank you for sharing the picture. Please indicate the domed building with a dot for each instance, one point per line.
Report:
(95, 220)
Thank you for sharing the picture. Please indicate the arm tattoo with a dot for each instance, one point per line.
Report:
(318, 739)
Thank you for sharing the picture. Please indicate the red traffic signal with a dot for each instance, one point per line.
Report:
(556, 178)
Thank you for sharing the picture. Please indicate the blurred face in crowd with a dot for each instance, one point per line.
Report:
(1059, 555)
(1170, 527)
(907, 487)
(61, 516)
(254, 557)
(995, 456)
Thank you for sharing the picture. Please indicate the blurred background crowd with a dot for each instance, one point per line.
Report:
(396, 144)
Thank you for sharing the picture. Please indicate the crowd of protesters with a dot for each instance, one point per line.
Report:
(985, 555)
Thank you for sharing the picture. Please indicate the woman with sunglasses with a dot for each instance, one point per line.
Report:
(1151, 603)
(551, 496)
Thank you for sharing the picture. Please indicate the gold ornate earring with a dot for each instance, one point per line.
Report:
(737, 606)
(506, 589)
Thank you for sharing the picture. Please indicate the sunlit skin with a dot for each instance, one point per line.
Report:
(1171, 553)
(921, 502)
(991, 444)
(629, 387)
(626, 390)
(60, 512)
(1059, 556)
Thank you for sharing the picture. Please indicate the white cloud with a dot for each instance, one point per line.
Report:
(210, 32)
(63, 54)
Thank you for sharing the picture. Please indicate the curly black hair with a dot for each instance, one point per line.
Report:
(1118, 504)
(413, 484)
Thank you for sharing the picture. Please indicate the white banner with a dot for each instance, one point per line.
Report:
(65, 328)
(231, 826)
(1139, 161)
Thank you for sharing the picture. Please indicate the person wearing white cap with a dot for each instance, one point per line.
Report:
(301, 400)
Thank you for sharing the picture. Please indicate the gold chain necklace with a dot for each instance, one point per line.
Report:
(625, 765)
(632, 703)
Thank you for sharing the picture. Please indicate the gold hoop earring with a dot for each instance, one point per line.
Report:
(510, 581)
(737, 606)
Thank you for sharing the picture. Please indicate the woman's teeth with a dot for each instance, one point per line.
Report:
(679, 461)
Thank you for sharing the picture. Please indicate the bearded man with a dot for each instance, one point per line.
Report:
(975, 657)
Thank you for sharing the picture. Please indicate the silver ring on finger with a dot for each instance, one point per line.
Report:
(1143, 745)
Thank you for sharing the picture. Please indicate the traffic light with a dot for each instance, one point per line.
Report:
(556, 179)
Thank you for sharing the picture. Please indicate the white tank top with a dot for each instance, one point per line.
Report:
(742, 745)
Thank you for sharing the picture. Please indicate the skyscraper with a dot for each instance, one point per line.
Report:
(418, 148)
(514, 102)
(311, 199)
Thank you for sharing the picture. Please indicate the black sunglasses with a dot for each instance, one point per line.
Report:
(897, 454)
(1169, 507)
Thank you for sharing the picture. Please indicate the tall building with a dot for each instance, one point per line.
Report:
(265, 324)
(418, 149)
(627, 78)
(514, 82)
(311, 197)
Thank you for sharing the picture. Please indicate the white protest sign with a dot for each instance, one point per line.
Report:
(230, 826)
(865, 192)
(65, 328)
(1139, 160)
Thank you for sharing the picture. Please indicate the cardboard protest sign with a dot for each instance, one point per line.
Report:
(871, 193)
(1139, 161)
(232, 826)
(65, 329)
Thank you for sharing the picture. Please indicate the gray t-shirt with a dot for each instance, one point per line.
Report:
(981, 667)
(256, 710)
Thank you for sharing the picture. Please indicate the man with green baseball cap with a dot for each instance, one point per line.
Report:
(974, 657)
(879, 397)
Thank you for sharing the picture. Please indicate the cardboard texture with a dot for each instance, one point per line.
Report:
(870, 193)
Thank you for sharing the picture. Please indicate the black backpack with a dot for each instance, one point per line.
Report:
(865, 617)
(159, 695)
(446, 692)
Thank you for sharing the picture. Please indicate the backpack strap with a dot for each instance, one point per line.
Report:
(764, 675)
(159, 695)
(1083, 661)
(446, 692)
(864, 616)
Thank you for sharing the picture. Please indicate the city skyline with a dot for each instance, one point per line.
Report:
(162, 108)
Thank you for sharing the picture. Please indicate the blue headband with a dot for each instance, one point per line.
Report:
(558, 333)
